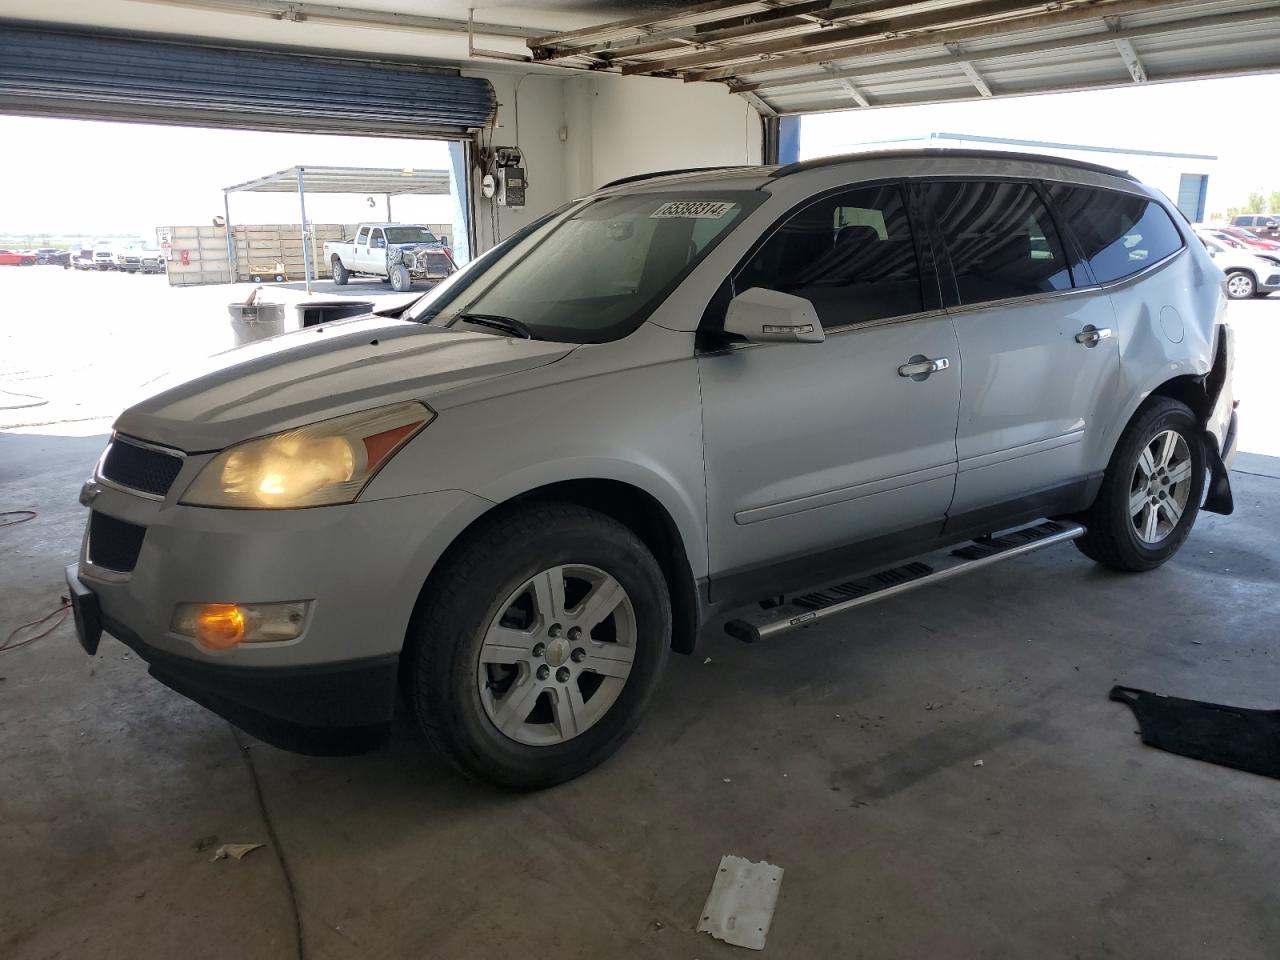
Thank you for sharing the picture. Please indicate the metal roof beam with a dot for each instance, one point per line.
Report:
(930, 20)
(655, 41)
(849, 87)
(1271, 65)
(960, 34)
(1137, 69)
(830, 72)
(762, 108)
(620, 28)
(969, 70)
(286, 10)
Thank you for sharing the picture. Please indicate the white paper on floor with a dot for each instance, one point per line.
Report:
(740, 906)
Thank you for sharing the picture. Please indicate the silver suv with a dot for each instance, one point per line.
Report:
(780, 391)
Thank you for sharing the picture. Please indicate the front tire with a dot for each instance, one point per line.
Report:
(340, 273)
(1241, 285)
(1151, 492)
(539, 645)
(400, 279)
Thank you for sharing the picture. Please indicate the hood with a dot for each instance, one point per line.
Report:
(322, 372)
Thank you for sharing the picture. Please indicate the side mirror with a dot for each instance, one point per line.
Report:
(767, 316)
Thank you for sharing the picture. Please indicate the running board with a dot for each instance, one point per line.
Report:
(816, 605)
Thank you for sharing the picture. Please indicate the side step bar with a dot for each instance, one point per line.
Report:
(817, 605)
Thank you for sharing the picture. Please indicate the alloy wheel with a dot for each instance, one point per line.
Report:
(1239, 286)
(557, 655)
(1160, 487)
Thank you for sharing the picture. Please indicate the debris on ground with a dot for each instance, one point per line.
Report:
(236, 851)
(706, 661)
(728, 780)
(739, 908)
(977, 763)
(204, 843)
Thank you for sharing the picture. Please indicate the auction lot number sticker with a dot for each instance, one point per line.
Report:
(692, 210)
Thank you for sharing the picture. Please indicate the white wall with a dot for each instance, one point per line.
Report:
(579, 132)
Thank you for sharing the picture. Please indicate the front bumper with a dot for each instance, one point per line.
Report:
(360, 565)
(334, 708)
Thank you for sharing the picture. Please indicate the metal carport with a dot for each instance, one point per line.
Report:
(372, 180)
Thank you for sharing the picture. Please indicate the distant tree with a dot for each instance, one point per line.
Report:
(1257, 203)
(1274, 205)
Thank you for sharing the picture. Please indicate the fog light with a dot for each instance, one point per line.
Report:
(223, 626)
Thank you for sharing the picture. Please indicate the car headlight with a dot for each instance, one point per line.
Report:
(316, 465)
(407, 259)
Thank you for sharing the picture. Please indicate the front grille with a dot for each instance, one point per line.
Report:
(436, 262)
(114, 544)
(140, 468)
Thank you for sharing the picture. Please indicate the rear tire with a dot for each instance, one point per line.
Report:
(340, 273)
(504, 669)
(1151, 492)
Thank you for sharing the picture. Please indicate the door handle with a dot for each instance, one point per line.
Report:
(921, 367)
(1091, 336)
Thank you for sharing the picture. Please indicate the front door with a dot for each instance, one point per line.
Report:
(811, 448)
(1039, 351)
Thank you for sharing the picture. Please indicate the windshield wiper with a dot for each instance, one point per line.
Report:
(498, 322)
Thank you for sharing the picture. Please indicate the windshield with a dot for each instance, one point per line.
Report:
(593, 273)
(410, 235)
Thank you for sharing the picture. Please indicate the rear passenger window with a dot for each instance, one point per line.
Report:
(1000, 238)
(1119, 234)
(851, 255)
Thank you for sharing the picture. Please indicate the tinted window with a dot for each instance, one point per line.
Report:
(1000, 238)
(851, 255)
(1119, 234)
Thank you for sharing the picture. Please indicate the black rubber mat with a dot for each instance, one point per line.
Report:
(1228, 736)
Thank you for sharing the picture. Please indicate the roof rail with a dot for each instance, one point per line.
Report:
(664, 173)
(820, 162)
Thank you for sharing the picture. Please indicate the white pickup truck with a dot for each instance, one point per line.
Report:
(399, 253)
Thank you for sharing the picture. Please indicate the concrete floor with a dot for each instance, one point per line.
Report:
(844, 753)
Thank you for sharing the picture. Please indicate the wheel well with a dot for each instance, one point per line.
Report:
(636, 510)
(1190, 390)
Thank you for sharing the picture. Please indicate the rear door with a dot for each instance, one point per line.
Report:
(812, 448)
(1040, 357)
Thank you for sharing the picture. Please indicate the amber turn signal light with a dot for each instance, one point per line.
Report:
(219, 626)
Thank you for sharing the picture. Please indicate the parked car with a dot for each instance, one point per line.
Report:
(1248, 238)
(1265, 225)
(82, 259)
(104, 258)
(44, 254)
(664, 402)
(399, 253)
(60, 258)
(16, 258)
(152, 261)
(128, 259)
(1248, 274)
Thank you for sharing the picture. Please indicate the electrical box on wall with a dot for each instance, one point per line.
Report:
(505, 179)
(511, 186)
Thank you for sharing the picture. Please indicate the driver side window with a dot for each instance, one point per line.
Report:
(851, 255)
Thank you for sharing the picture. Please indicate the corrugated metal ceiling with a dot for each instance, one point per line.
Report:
(800, 56)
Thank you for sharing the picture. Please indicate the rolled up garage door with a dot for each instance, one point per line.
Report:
(67, 73)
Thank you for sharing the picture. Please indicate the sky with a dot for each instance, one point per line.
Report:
(112, 179)
(126, 179)
(1189, 117)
